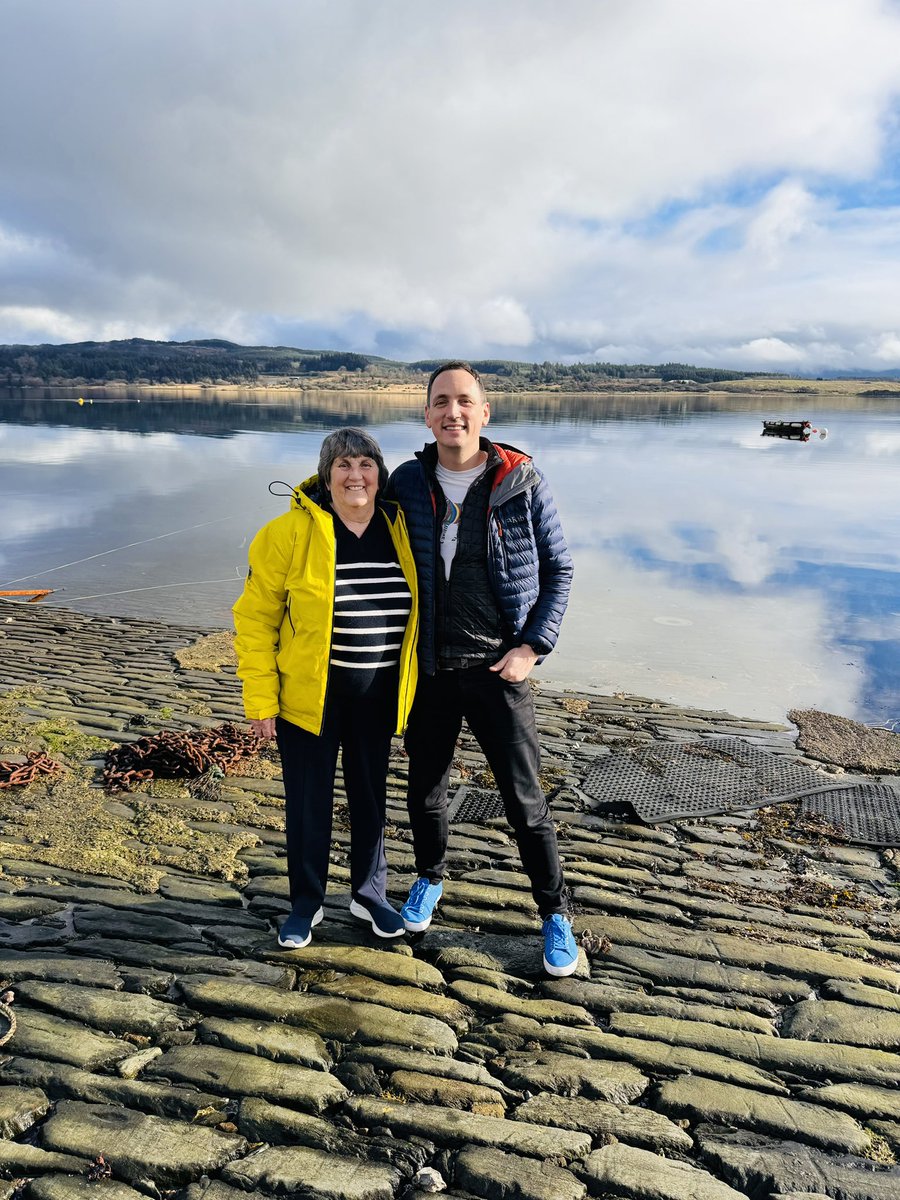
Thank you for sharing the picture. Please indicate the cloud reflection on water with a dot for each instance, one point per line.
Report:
(713, 567)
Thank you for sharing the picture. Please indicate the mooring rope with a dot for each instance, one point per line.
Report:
(129, 546)
(152, 588)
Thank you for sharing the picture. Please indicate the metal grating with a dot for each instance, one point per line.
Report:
(867, 813)
(696, 779)
(471, 805)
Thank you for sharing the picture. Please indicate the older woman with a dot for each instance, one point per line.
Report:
(326, 639)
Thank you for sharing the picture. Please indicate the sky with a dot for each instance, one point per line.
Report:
(704, 181)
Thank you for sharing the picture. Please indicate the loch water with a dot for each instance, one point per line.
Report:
(713, 567)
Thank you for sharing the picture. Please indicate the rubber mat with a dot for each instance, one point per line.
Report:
(866, 813)
(472, 805)
(666, 782)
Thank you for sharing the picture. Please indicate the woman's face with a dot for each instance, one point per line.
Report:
(354, 484)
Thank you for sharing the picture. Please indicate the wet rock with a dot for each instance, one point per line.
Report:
(448, 948)
(624, 1123)
(491, 1000)
(628, 1171)
(733, 1000)
(723, 1104)
(851, 1024)
(448, 1093)
(758, 1166)
(139, 1146)
(260, 1121)
(71, 1187)
(131, 1067)
(392, 1058)
(327, 1176)
(361, 960)
(144, 902)
(495, 1175)
(199, 891)
(606, 1000)
(141, 926)
(116, 1012)
(656, 1057)
(359, 1078)
(662, 967)
(31, 937)
(215, 1189)
(20, 1107)
(860, 1099)
(796, 961)
(400, 997)
(19, 1159)
(182, 962)
(448, 1127)
(27, 908)
(230, 1073)
(16, 966)
(828, 1061)
(341, 1020)
(42, 1035)
(267, 1039)
(544, 1071)
(60, 1081)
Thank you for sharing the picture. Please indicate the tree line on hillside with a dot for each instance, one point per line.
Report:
(215, 361)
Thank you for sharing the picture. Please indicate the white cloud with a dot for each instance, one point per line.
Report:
(482, 178)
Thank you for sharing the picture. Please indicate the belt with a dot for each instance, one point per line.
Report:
(461, 664)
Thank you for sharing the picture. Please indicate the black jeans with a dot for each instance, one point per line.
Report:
(362, 728)
(501, 717)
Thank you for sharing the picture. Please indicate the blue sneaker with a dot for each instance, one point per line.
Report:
(296, 932)
(419, 907)
(386, 922)
(560, 949)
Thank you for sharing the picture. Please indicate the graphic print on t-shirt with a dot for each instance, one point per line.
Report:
(454, 485)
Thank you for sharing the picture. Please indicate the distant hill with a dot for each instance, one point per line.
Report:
(212, 361)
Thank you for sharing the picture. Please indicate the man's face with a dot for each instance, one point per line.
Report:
(457, 412)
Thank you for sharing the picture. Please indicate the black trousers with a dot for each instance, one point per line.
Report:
(501, 717)
(362, 729)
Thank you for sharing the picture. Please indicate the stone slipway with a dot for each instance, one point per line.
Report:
(733, 1029)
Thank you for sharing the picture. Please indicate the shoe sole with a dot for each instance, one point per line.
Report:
(416, 926)
(365, 915)
(561, 972)
(293, 943)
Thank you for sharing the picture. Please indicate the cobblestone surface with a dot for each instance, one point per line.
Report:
(733, 1029)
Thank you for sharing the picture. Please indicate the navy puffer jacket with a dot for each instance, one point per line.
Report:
(529, 564)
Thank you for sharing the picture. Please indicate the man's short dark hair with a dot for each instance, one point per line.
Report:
(455, 364)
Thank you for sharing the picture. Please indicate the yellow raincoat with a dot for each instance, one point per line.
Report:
(284, 616)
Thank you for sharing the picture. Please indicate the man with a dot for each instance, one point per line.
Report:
(494, 575)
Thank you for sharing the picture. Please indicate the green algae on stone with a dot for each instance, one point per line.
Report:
(63, 1082)
(20, 1107)
(140, 1146)
(483, 1171)
(288, 1169)
(235, 1073)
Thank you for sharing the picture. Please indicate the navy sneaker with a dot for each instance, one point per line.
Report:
(560, 948)
(419, 907)
(386, 922)
(296, 932)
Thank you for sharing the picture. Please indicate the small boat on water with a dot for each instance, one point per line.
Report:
(793, 431)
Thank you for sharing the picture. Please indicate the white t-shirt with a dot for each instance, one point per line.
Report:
(455, 485)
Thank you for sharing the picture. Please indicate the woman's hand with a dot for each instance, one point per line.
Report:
(265, 729)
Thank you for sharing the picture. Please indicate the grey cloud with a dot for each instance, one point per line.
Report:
(399, 170)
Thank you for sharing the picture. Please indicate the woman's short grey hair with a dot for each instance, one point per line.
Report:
(350, 443)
